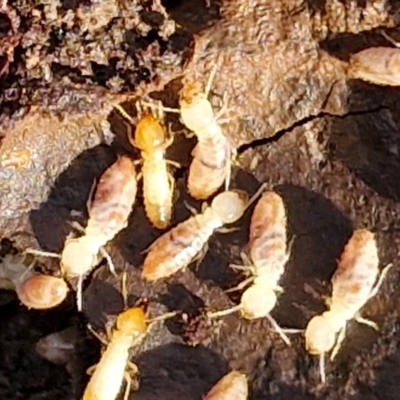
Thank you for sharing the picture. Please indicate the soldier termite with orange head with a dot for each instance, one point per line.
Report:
(34, 290)
(158, 183)
(177, 248)
(212, 154)
(269, 255)
(106, 381)
(231, 386)
(108, 214)
(353, 284)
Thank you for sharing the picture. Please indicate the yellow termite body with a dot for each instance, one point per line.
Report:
(353, 284)
(105, 383)
(268, 253)
(378, 65)
(158, 184)
(175, 249)
(232, 386)
(108, 214)
(210, 166)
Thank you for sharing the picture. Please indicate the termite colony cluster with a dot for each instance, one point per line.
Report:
(356, 280)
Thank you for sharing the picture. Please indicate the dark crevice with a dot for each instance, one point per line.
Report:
(273, 139)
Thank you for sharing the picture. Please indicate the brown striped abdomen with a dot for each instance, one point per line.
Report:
(176, 248)
(356, 273)
(113, 200)
(379, 65)
(268, 250)
(208, 169)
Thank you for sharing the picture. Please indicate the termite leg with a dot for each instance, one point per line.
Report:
(91, 369)
(122, 111)
(163, 317)
(97, 336)
(42, 253)
(110, 263)
(278, 330)
(128, 380)
(190, 208)
(124, 288)
(241, 285)
(338, 343)
(29, 267)
(322, 367)
(79, 286)
(152, 106)
(89, 201)
(222, 313)
(378, 284)
(367, 322)
(228, 174)
(210, 79)
(390, 39)
(174, 163)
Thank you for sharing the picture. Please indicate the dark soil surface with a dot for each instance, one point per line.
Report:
(329, 146)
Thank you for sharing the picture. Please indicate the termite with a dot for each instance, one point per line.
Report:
(268, 257)
(34, 290)
(109, 210)
(131, 327)
(158, 183)
(353, 284)
(177, 248)
(211, 163)
(106, 381)
(231, 386)
(378, 65)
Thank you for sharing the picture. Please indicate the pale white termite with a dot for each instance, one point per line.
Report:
(232, 386)
(109, 210)
(211, 163)
(268, 257)
(177, 248)
(106, 381)
(378, 65)
(353, 284)
(158, 184)
(33, 289)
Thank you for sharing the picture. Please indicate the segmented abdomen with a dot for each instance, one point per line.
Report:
(113, 201)
(379, 65)
(267, 242)
(157, 192)
(176, 248)
(357, 272)
(209, 167)
(106, 381)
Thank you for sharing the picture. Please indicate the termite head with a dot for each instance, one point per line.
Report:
(132, 320)
(320, 334)
(257, 302)
(149, 133)
(42, 291)
(78, 257)
(230, 205)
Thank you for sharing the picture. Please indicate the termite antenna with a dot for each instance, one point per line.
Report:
(390, 39)
(222, 313)
(278, 330)
(41, 253)
(122, 111)
(163, 317)
(79, 293)
(210, 80)
(322, 367)
(256, 195)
